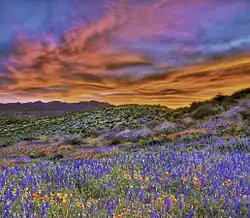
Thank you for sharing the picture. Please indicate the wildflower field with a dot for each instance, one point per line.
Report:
(144, 184)
(197, 170)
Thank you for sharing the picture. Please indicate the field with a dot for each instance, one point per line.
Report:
(129, 161)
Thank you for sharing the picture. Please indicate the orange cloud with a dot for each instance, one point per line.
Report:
(88, 65)
(172, 88)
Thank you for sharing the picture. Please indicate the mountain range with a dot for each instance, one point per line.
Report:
(50, 107)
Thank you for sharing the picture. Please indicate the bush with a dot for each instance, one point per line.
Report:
(220, 98)
(203, 111)
(133, 134)
(245, 114)
(40, 154)
(30, 138)
(195, 105)
(187, 121)
(3, 142)
(166, 127)
(57, 157)
(241, 94)
(70, 140)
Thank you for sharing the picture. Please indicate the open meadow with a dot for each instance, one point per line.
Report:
(129, 161)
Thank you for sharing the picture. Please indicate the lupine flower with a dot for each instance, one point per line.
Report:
(167, 204)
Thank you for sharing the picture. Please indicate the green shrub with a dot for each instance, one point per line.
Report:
(241, 94)
(3, 142)
(194, 105)
(245, 114)
(39, 154)
(57, 157)
(143, 143)
(204, 111)
(71, 140)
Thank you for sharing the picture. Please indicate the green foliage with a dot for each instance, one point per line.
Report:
(89, 125)
(143, 143)
(220, 98)
(58, 156)
(245, 114)
(71, 140)
(3, 142)
(86, 122)
(204, 111)
(39, 154)
(241, 94)
(177, 114)
(96, 122)
(194, 105)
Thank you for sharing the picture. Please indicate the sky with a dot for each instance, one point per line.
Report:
(167, 52)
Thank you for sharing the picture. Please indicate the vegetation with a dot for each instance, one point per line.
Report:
(129, 161)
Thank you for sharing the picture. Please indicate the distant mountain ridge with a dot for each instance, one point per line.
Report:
(40, 106)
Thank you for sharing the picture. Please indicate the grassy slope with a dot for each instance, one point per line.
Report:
(112, 119)
(145, 171)
(122, 117)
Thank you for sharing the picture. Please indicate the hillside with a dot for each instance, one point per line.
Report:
(137, 121)
(129, 161)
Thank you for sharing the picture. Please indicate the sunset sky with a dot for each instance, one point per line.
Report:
(168, 52)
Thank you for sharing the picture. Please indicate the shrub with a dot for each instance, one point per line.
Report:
(30, 138)
(166, 127)
(203, 111)
(70, 140)
(133, 134)
(195, 105)
(241, 94)
(245, 114)
(187, 121)
(152, 123)
(39, 154)
(223, 100)
(220, 98)
(3, 142)
(57, 157)
(143, 143)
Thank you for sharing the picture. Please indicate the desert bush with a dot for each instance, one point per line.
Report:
(245, 103)
(219, 98)
(133, 134)
(152, 123)
(182, 110)
(166, 127)
(187, 121)
(204, 111)
(176, 114)
(39, 154)
(94, 132)
(57, 157)
(245, 114)
(70, 140)
(30, 138)
(3, 142)
(241, 94)
(223, 100)
(194, 105)
(143, 143)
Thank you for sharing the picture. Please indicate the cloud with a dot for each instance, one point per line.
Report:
(122, 65)
(193, 75)
(5, 81)
(183, 86)
(41, 90)
(147, 52)
(87, 77)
